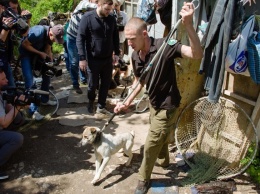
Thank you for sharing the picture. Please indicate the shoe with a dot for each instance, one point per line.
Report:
(142, 187)
(164, 165)
(77, 89)
(103, 111)
(37, 116)
(3, 176)
(91, 107)
(49, 103)
(51, 87)
(83, 82)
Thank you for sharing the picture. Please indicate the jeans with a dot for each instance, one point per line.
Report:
(29, 81)
(10, 141)
(99, 69)
(74, 61)
(8, 71)
(66, 56)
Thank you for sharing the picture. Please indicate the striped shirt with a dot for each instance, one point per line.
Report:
(81, 8)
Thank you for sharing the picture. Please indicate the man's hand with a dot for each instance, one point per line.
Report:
(83, 65)
(187, 13)
(25, 12)
(43, 55)
(248, 1)
(9, 22)
(116, 58)
(21, 98)
(119, 107)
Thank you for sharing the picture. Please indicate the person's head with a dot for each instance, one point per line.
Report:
(56, 34)
(93, 1)
(104, 7)
(117, 5)
(3, 80)
(13, 4)
(136, 33)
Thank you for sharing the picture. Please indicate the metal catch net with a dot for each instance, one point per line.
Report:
(216, 140)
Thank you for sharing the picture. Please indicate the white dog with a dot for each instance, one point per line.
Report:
(106, 145)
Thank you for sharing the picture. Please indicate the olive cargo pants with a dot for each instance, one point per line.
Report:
(156, 144)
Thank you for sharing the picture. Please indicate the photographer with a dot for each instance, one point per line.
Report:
(10, 118)
(121, 20)
(10, 21)
(38, 43)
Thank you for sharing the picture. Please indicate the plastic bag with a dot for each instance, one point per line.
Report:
(236, 60)
(146, 11)
(253, 46)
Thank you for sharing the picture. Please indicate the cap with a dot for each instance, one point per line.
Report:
(58, 33)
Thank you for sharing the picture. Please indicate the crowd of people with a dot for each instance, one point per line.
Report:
(94, 42)
(36, 44)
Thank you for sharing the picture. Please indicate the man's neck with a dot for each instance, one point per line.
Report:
(143, 52)
(98, 13)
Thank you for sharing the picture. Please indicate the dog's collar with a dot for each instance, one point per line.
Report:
(97, 138)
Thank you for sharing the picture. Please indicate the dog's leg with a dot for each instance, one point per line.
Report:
(128, 152)
(98, 162)
(130, 156)
(100, 170)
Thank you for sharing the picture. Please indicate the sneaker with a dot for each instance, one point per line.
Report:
(3, 176)
(77, 89)
(90, 107)
(37, 116)
(142, 187)
(103, 111)
(83, 82)
(49, 103)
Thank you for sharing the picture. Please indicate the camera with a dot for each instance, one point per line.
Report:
(11, 95)
(19, 22)
(51, 68)
(119, 21)
(46, 67)
(122, 65)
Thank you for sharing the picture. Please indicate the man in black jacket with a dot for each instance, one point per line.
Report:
(97, 39)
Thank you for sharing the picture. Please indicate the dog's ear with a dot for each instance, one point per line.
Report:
(93, 130)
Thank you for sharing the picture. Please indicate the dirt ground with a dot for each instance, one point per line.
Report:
(50, 162)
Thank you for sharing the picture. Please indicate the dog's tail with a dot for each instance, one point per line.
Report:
(133, 133)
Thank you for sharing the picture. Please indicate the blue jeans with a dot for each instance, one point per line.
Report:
(29, 81)
(66, 56)
(74, 61)
(4, 64)
(10, 141)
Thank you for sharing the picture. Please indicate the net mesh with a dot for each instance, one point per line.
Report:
(219, 136)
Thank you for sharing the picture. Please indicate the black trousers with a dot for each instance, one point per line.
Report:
(99, 75)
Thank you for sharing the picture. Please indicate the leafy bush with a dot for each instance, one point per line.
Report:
(254, 169)
(40, 9)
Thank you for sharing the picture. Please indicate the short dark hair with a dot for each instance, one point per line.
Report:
(1, 70)
(6, 2)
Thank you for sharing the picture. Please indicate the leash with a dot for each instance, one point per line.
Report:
(158, 54)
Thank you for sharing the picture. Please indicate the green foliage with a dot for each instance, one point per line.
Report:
(254, 169)
(40, 9)
(57, 48)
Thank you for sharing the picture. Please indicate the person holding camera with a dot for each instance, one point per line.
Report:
(38, 43)
(121, 20)
(10, 21)
(10, 119)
